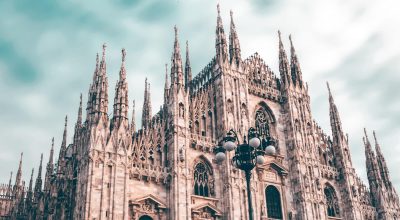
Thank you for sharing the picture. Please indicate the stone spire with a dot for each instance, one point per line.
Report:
(79, 120)
(98, 93)
(374, 177)
(49, 168)
(220, 40)
(383, 169)
(166, 86)
(38, 183)
(146, 115)
(19, 172)
(64, 140)
(9, 190)
(188, 68)
(78, 124)
(234, 45)
(29, 195)
(176, 62)
(133, 123)
(90, 104)
(283, 63)
(336, 124)
(121, 103)
(295, 65)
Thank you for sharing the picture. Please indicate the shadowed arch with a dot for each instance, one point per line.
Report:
(273, 200)
(203, 178)
(264, 120)
(332, 202)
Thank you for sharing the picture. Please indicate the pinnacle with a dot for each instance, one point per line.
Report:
(123, 54)
(104, 50)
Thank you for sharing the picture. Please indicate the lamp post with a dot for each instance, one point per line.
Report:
(247, 155)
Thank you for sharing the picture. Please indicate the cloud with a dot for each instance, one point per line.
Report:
(47, 58)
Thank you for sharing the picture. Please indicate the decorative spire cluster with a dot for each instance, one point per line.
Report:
(147, 113)
(220, 40)
(38, 182)
(176, 62)
(283, 63)
(49, 168)
(234, 45)
(336, 124)
(295, 65)
(98, 92)
(121, 102)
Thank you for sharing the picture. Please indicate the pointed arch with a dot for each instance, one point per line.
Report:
(264, 120)
(203, 177)
(332, 202)
(273, 200)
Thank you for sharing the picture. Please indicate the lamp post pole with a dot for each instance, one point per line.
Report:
(247, 155)
(248, 176)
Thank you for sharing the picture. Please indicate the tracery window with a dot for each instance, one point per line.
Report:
(262, 122)
(332, 204)
(273, 198)
(203, 183)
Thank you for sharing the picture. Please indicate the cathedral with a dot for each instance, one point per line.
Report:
(166, 169)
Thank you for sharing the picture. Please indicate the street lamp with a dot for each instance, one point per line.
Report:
(247, 155)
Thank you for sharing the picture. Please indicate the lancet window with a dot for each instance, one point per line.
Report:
(203, 181)
(332, 204)
(273, 198)
(263, 122)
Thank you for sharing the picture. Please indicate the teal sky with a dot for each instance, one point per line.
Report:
(48, 48)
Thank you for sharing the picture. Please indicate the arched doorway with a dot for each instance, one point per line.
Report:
(273, 199)
(145, 217)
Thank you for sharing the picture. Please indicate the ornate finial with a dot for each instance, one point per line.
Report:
(97, 58)
(329, 89)
(365, 132)
(80, 100)
(290, 39)
(279, 35)
(123, 54)
(66, 120)
(133, 104)
(376, 140)
(218, 9)
(176, 32)
(52, 143)
(104, 49)
(231, 13)
(33, 170)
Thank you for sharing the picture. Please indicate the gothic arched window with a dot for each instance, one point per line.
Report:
(262, 122)
(332, 204)
(273, 198)
(203, 183)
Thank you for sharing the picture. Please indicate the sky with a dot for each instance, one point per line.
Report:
(48, 50)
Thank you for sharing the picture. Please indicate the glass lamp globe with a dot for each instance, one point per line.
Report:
(270, 150)
(220, 157)
(229, 145)
(260, 160)
(255, 142)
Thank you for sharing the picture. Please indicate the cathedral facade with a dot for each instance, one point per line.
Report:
(166, 168)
